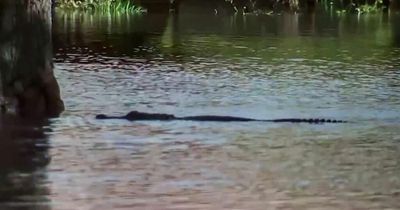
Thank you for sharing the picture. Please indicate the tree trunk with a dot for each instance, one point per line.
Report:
(27, 86)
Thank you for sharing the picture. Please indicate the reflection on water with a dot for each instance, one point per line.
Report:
(23, 158)
(251, 66)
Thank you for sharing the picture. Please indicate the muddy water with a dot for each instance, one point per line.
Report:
(250, 66)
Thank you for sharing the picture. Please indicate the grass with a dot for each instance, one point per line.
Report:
(125, 6)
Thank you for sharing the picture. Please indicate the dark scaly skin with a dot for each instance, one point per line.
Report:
(138, 116)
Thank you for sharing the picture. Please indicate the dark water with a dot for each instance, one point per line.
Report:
(250, 66)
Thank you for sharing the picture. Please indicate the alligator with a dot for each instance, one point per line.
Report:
(139, 116)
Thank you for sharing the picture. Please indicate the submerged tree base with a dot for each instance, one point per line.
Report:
(28, 87)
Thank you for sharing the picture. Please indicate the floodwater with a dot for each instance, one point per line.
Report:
(264, 67)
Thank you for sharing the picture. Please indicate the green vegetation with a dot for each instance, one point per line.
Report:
(257, 7)
(358, 6)
(126, 6)
(366, 8)
(277, 6)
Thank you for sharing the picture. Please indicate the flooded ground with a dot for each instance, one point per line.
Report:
(250, 66)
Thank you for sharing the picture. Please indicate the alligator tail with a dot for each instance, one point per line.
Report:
(310, 120)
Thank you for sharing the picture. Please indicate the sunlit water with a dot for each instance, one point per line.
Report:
(252, 66)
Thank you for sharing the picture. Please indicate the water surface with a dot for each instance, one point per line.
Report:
(250, 66)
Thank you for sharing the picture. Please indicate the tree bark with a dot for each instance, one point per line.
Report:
(27, 86)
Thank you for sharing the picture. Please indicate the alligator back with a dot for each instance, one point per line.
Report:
(217, 118)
